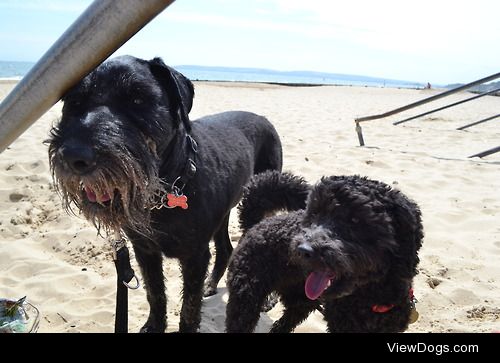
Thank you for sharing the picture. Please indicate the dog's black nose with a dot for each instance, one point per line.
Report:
(80, 159)
(306, 250)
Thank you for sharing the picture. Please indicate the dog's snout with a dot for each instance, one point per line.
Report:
(80, 159)
(306, 250)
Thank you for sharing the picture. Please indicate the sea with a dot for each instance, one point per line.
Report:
(16, 70)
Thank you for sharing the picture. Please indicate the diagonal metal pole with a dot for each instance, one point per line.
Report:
(95, 35)
(358, 120)
(486, 152)
(429, 99)
(478, 122)
(447, 106)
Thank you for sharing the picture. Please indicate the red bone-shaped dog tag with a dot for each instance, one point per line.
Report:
(177, 201)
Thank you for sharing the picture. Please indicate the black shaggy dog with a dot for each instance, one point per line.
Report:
(127, 156)
(352, 253)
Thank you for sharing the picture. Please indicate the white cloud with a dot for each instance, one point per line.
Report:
(366, 37)
(409, 27)
(233, 23)
(335, 35)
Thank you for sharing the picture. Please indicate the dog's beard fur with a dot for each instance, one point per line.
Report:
(132, 183)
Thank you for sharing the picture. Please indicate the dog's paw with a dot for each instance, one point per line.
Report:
(151, 328)
(209, 290)
(185, 328)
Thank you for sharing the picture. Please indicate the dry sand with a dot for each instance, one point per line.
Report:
(65, 269)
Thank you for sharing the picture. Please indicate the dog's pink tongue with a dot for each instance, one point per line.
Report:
(90, 194)
(92, 197)
(105, 197)
(316, 283)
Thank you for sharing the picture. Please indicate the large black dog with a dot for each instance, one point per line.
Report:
(352, 252)
(127, 156)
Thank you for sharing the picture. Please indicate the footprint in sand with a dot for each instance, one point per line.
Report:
(433, 282)
(464, 297)
(16, 197)
(484, 313)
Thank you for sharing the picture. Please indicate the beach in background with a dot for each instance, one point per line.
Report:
(66, 270)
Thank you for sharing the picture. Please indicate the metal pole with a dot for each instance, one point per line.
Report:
(486, 153)
(359, 131)
(429, 99)
(478, 122)
(95, 35)
(447, 106)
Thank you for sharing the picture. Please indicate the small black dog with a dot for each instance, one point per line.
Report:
(351, 253)
(127, 156)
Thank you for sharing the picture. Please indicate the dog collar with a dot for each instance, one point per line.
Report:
(190, 168)
(175, 196)
(413, 309)
(382, 308)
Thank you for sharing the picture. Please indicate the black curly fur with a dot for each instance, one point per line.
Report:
(269, 192)
(362, 232)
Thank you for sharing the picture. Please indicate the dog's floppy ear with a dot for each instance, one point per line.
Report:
(180, 90)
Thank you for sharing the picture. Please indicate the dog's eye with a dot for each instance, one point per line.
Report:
(138, 101)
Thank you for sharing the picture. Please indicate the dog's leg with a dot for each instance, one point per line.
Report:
(194, 270)
(243, 309)
(297, 309)
(150, 263)
(271, 300)
(270, 155)
(223, 250)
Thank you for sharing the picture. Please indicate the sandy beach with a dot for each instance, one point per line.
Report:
(66, 270)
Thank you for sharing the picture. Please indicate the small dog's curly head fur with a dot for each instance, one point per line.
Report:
(347, 233)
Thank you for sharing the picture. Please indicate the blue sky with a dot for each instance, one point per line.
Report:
(437, 41)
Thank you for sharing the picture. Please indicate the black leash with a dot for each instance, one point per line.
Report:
(121, 256)
(124, 274)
